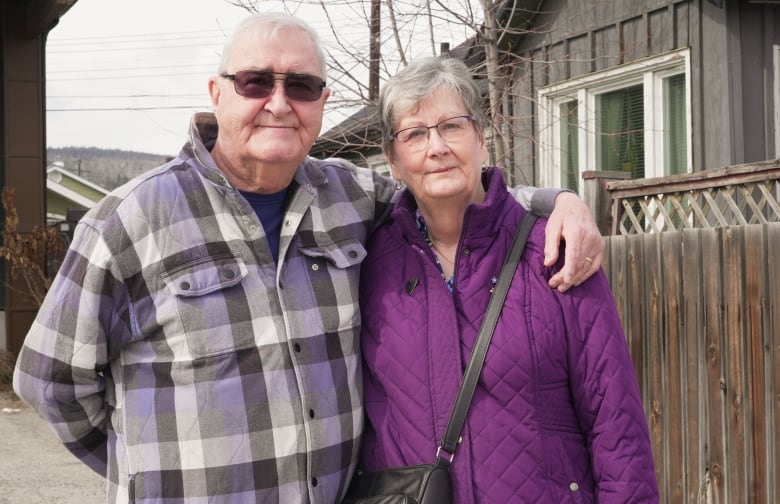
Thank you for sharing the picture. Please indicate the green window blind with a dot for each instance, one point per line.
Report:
(620, 143)
(569, 146)
(675, 140)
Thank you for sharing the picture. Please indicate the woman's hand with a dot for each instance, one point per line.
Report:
(572, 221)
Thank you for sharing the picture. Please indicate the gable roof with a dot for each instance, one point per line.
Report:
(357, 136)
(72, 188)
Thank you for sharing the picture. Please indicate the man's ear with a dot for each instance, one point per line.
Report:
(214, 91)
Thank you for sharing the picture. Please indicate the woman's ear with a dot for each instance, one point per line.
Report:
(483, 148)
(391, 162)
(395, 173)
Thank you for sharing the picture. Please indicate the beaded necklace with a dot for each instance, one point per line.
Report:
(424, 231)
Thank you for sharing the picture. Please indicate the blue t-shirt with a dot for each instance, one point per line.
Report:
(270, 210)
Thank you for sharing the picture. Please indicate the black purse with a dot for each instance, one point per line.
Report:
(430, 483)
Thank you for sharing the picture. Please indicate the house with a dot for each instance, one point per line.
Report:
(68, 195)
(653, 88)
(24, 25)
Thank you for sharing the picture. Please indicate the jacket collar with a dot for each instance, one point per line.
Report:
(480, 219)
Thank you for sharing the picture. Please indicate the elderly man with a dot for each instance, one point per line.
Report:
(200, 342)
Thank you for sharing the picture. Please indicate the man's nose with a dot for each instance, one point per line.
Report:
(278, 100)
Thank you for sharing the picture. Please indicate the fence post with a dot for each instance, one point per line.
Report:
(598, 198)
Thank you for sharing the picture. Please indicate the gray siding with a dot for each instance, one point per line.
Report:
(732, 76)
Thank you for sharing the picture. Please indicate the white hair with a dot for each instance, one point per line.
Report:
(270, 24)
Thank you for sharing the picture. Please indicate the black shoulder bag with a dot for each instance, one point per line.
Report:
(430, 483)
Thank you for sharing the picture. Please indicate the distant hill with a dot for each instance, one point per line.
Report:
(108, 168)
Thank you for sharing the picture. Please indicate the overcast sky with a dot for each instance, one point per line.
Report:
(128, 74)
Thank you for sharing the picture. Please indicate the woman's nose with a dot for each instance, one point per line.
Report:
(436, 143)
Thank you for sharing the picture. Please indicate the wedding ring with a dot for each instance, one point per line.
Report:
(588, 260)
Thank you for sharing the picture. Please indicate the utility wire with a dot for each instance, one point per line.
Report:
(126, 109)
(126, 96)
(122, 68)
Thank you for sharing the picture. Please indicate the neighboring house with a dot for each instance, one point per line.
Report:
(68, 195)
(356, 139)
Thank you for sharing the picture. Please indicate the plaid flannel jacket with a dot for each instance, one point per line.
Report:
(174, 356)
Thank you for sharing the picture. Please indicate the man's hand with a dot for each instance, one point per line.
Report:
(572, 221)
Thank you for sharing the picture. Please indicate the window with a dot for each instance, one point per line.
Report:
(633, 118)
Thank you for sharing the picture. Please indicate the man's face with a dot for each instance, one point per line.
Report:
(275, 132)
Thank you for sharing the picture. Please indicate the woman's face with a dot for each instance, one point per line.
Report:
(440, 168)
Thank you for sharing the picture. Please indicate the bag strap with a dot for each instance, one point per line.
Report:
(459, 410)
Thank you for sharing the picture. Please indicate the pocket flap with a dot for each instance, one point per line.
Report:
(204, 275)
(342, 255)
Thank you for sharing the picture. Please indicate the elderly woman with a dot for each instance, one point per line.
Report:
(557, 414)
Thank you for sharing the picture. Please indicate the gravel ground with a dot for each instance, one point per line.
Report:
(34, 467)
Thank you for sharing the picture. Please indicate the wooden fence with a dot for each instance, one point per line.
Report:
(701, 311)
(736, 195)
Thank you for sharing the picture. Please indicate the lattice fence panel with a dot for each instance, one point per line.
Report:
(750, 202)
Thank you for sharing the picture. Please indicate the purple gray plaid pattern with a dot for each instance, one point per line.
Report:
(174, 356)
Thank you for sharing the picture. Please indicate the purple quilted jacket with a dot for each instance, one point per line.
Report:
(557, 415)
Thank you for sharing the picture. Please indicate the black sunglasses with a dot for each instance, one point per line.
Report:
(260, 84)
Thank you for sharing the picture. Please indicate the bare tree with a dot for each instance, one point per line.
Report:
(34, 256)
(483, 34)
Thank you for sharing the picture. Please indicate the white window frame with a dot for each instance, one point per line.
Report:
(776, 63)
(650, 72)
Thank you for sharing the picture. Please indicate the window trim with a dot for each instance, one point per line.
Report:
(650, 72)
(776, 63)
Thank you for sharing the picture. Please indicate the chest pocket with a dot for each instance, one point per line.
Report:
(334, 269)
(212, 304)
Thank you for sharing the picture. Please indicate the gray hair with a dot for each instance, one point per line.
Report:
(270, 24)
(404, 91)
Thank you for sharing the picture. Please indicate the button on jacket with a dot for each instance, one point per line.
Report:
(174, 355)
(556, 416)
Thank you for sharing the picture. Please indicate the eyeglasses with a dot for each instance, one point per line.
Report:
(416, 137)
(260, 84)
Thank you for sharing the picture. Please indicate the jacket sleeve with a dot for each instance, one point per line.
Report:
(382, 189)
(607, 397)
(540, 201)
(61, 369)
